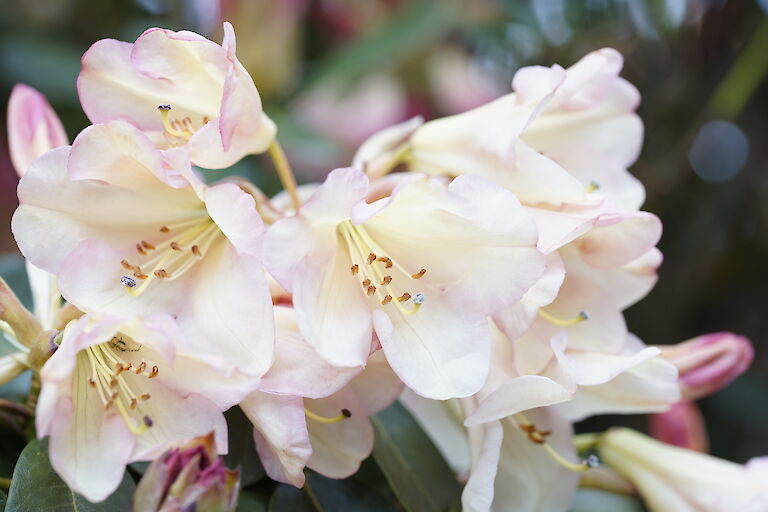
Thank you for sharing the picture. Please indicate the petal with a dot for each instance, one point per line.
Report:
(478, 493)
(339, 448)
(280, 433)
(618, 239)
(437, 352)
(381, 144)
(298, 369)
(33, 127)
(377, 387)
(45, 295)
(234, 211)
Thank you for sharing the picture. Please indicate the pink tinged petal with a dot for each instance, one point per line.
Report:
(474, 239)
(618, 239)
(33, 127)
(531, 82)
(709, 362)
(478, 493)
(436, 352)
(234, 212)
(378, 148)
(333, 201)
(298, 369)
(339, 448)
(280, 433)
(377, 387)
(682, 425)
(331, 311)
(45, 295)
(517, 319)
(517, 395)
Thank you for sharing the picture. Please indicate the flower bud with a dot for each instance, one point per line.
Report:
(709, 362)
(191, 477)
(23, 324)
(682, 425)
(11, 366)
(33, 127)
(672, 478)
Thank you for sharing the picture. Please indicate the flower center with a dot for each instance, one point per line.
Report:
(179, 128)
(185, 243)
(380, 276)
(110, 374)
(539, 437)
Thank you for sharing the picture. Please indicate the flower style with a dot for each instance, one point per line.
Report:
(112, 394)
(422, 266)
(310, 413)
(180, 88)
(129, 229)
(672, 478)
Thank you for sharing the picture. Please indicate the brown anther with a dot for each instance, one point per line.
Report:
(140, 249)
(386, 280)
(154, 372)
(91, 382)
(114, 396)
(126, 265)
(162, 274)
(534, 437)
(388, 263)
(139, 369)
(108, 404)
(371, 258)
(140, 275)
(145, 396)
(545, 433)
(346, 413)
(128, 367)
(371, 290)
(354, 268)
(119, 368)
(148, 246)
(113, 383)
(419, 274)
(175, 246)
(165, 229)
(404, 297)
(528, 428)
(196, 251)
(366, 283)
(206, 119)
(133, 403)
(386, 300)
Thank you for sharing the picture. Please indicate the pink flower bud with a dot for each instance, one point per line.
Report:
(33, 127)
(192, 477)
(709, 362)
(682, 425)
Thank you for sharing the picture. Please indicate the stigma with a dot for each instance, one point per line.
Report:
(381, 277)
(328, 420)
(563, 322)
(116, 380)
(172, 251)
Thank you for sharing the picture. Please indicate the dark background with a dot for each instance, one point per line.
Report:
(332, 72)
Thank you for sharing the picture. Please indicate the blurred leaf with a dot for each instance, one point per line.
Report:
(370, 474)
(3, 500)
(242, 450)
(251, 500)
(287, 498)
(13, 270)
(10, 449)
(414, 468)
(417, 26)
(331, 494)
(591, 500)
(35, 486)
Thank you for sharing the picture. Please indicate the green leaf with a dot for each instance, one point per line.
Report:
(251, 500)
(287, 498)
(412, 465)
(3, 500)
(330, 494)
(242, 450)
(35, 486)
(13, 270)
(592, 500)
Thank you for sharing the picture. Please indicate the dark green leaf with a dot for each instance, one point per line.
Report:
(13, 270)
(242, 450)
(36, 487)
(287, 498)
(3, 500)
(349, 494)
(591, 500)
(252, 500)
(414, 468)
(370, 475)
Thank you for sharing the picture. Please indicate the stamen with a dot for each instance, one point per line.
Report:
(196, 251)
(539, 437)
(145, 396)
(148, 246)
(371, 258)
(581, 317)
(386, 300)
(162, 274)
(366, 283)
(169, 127)
(175, 246)
(419, 274)
(354, 268)
(165, 229)
(386, 280)
(140, 250)
(404, 297)
(345, 413)
(371, 290)
(126, 265)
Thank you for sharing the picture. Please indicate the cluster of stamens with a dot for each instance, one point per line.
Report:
(182, 128)
(375, 271)
(108, 372)
(171, 258)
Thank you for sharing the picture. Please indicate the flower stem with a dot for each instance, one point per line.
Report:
(284, 172)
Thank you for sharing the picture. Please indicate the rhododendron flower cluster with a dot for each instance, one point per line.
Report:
(475, 266)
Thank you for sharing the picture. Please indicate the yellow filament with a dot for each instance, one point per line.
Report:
(184, 134)
(571, 466)
(324, 419)
(563, 322)
(284, 172)
(593, 185)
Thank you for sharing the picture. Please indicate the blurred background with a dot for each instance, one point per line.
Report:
(332, 72)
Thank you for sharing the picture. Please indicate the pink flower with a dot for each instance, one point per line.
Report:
(207, 101)
(129, 229)
(423, 266)
(709, 362)
(682, 425)
(33, 127)
(114, 392)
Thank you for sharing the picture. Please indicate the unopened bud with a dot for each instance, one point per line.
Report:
(24, 325)
(192, 477)
(682, 425)
(33, 127)
(709, 362)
